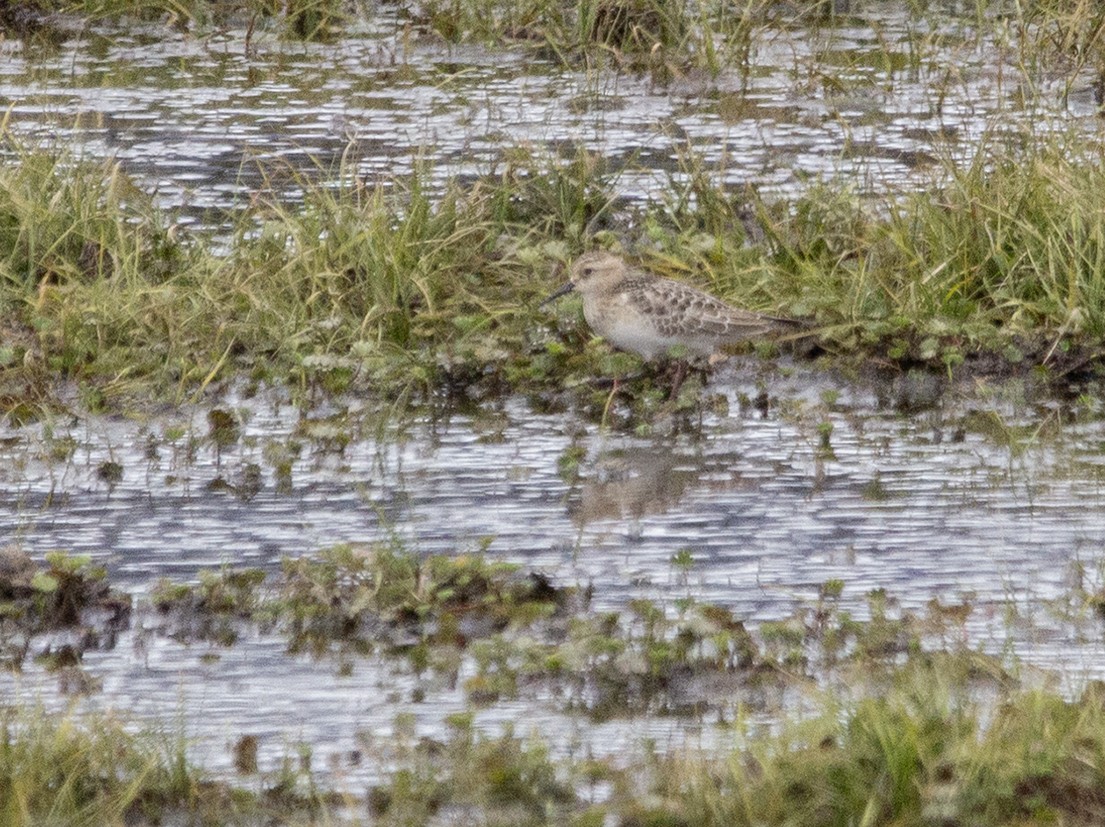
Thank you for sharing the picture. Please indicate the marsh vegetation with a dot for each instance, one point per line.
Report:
(921, 185)
(899, 723)
(415, 284)
(389, 289)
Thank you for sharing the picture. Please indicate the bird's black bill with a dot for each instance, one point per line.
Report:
(567, 287)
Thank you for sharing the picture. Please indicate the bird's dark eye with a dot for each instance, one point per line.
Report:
(587, 271)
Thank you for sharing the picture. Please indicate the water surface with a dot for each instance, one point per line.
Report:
(990, 496)
(987, 493)
(197, 117)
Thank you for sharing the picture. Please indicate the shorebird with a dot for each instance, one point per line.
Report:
(655, 317)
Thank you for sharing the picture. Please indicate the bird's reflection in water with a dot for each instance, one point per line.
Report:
(628, 484)
(635, 481)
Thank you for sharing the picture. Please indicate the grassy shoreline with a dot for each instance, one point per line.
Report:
(407, 296)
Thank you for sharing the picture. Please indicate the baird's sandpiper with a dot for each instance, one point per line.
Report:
(651, 316)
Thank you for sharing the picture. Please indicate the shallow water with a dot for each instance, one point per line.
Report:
(986, 494)
(989, 495)
(196, 118)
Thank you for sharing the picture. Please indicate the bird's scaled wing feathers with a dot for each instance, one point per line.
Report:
(678, 308)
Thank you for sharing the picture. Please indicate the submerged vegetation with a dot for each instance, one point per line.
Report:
(899, 722)
(410, 292)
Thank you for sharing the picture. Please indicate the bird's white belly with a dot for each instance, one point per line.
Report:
(646, 342)
(627, 330)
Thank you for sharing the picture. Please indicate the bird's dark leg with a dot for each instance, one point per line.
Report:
(680, 369)
(677, 380)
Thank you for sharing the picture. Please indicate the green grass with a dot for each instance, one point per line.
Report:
(412, 297)
(1010, 253)
(57, 769)
(72, 769)
(924, 749)
(928, 741)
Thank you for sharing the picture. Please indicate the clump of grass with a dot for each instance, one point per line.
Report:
(215, 608)
(86, 261)
(1008, 252)
(503, 779)
(64, 221)
(58, 769)
(1015, 238)
(67, 592)
(917, 751)
(380, 262)
(640, 661)
(384, 595)
(96, 769)
(387, 285)
(1068, 35)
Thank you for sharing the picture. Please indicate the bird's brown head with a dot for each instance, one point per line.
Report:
(592, 272)
(597, 270)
